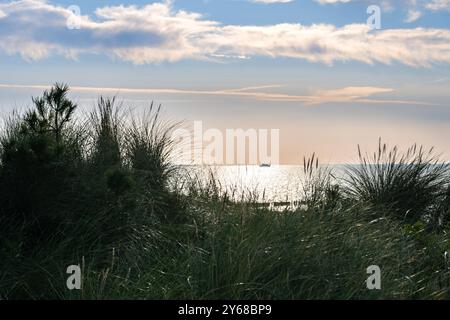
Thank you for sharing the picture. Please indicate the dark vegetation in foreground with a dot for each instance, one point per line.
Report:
(104, 194)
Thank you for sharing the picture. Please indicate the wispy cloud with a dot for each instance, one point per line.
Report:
(438, 5)
(413, 15)
(362, 94)
(440, 80)
(413, 8)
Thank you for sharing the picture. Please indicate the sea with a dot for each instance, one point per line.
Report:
(274, 184)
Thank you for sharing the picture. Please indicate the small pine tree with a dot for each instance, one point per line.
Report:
(52, 112)
(37, 163)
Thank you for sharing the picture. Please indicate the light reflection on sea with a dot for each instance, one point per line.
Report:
(278, 183)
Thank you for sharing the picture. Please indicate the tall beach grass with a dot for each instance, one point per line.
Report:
(102, 192)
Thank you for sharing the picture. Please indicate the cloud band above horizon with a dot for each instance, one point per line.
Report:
(157, 33)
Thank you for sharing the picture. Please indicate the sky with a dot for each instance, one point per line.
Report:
(314, 69)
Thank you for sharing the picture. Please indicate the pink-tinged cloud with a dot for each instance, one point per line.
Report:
(361, 94)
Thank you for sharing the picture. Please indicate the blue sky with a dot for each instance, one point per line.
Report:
(313, 70)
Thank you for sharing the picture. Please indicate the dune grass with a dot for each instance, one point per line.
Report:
(103, 193)
(411, 184)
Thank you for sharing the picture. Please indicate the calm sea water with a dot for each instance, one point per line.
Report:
(268, 184)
